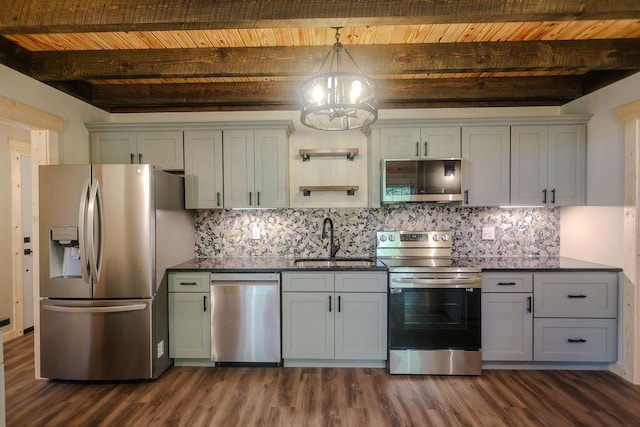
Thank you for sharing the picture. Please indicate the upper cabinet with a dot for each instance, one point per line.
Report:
(413, 142)
(548, 165)
(159, 148)
(485, 150)
(517, 161)
(203, 177)
(256, 168)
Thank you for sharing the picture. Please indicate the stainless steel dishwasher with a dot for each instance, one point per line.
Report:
(245, 318)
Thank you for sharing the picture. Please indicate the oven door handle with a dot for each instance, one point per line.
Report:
(471, 282)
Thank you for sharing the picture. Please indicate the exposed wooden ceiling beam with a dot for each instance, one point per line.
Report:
(304, 61)
(46, 16)
(284, 95)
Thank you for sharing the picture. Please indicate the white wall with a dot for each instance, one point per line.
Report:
(595, 233)
(592, 233)
(74, 148)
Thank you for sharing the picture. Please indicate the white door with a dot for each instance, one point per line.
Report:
(27, 257)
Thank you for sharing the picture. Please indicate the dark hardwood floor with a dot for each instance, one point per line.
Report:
(324, 397)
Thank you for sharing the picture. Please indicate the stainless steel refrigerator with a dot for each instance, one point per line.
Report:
(107, 234)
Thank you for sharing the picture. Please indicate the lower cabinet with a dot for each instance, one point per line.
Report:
(549, 317)
(507, 317)
(189, 316)
(334, 316)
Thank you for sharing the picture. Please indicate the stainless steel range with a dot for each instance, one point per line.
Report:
(434, 305)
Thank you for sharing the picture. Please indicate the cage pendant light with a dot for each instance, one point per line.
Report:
(339, 96)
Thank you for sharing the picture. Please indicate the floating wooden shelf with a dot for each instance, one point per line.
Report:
(350, 189)
(307, 153)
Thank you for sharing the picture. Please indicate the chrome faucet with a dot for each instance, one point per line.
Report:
(333, 247)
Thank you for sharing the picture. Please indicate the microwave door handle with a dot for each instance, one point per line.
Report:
(82, 225)
(436, 283)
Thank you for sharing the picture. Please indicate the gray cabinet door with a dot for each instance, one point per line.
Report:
(203, 177)
(567, 165)
(189, 325)
(361, 326)
(308, 325)
(162, 148)
(271, 169)
(529, 146)
(114, 148)
(239, 164)
(486, 152)
(507, 327)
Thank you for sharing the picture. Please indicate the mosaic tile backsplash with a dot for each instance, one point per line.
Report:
(519, 232)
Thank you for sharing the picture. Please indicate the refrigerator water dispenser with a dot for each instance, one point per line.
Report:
(64, 252)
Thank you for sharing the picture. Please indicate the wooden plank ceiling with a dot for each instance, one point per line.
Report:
(182, 55)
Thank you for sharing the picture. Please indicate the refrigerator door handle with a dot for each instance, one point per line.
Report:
(95, 211)
(82, 225)
(106, 309)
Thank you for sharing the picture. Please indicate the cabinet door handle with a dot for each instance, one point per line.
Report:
(258, 197)
(529, 304)
(204, 302)
(553, 196)
(218, 198)
(426, 145)
(339, 305)
(544, 196)
(249, 198)
(132, 158)
(188, 283)
(466, 197)
(140, 158)
(417, 149)
(576, 296)
(576, 340)
(506, 283)
(329, 303)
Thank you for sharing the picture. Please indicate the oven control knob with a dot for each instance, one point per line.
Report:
(392, 238)
(435, 237)
(444, 238)
(383, 238)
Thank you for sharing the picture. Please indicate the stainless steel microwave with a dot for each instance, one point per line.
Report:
(422, 180)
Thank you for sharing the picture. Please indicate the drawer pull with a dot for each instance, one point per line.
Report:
(188, 283)
(578, 340)
(576, 296)
(506, 283)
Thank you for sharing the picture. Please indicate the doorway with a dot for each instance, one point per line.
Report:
(22, 220)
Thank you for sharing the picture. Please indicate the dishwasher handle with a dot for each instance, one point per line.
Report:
(237, 278)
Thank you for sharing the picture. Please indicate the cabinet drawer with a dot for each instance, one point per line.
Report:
(507, 282)
(188, 282)
(574, 340)
(307, 282)
(576, 295)
(361, 282)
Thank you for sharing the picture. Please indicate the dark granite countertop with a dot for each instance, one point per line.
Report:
(270, 264)
(535, 264)
(259, 265)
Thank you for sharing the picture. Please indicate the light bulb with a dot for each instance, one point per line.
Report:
(317, 94)
(356, 89)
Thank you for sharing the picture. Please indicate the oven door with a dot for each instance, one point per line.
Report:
(429, 312)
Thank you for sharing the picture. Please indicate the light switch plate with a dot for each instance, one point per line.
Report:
(255, 232)
(488, 233)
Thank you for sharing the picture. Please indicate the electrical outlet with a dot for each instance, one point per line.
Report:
(488, 233)
(255, 232)
(160, 349)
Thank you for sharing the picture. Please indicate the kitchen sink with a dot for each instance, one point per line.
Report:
(335, 262)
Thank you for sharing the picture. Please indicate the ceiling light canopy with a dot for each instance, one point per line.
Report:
(339, 96)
